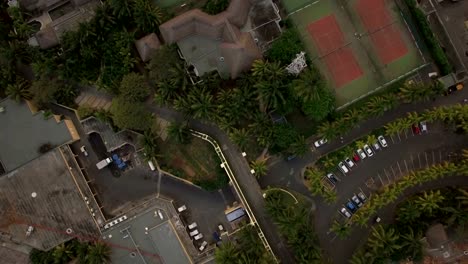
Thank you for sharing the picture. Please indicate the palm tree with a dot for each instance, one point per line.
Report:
(150, 145)
(412, 244)
(371, 139)
(62, 254)
(120, 8)
(98, 253)
(306, 88)
(384, 241)
(360, 144)
(271, 94)
(226, 253)
(240, 137)
(327, 130)
(353, 116)
(342, 230)
(429, 201)
(408, 212)
(19, 90)
(147, 16)
(267, 71)
(393, 128)
(260, 167)
(201, 103)
(179, 132)
(463, 197)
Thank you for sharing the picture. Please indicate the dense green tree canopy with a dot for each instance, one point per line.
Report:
(134, 87)
(131, 115)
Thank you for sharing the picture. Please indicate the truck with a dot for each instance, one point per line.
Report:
(103, 163)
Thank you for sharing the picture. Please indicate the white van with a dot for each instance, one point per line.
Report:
(192, 225)
(194, 233)
(151, 165)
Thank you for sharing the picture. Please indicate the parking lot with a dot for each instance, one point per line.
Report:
(406, 151)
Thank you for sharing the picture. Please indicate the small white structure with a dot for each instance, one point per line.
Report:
(298, 64)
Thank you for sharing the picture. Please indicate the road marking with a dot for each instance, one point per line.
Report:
(406, 165)
(401, 173)
(412, 161)
(159, 184)
(381, 181)
(391, 167)
(419, 158)
(427, 162)
(386, 174)
(406, 135)
(393, 141)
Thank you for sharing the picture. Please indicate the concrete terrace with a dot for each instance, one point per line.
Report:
(43, 194)
(22, 133)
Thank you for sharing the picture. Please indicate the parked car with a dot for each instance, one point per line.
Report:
(320, 142)
(203, 246)
(356, 157)
(194, 233)
(343, 168)
(220, 228)
(362, 196)
(349, 162)
(345, 212)
(350, 205)
(423, 126)
(192, 225)
(382, 141)
(198, 237)
(84, 151)
(416, 129)
(376, 146)
(361, 153)
(332, 178)
(368, 150)
(356, 201)
(182, 208)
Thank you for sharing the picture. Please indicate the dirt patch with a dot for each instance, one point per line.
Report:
(179, 163)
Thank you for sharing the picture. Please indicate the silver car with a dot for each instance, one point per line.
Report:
(320, 142)
(368, 150)
(356, 201)
(345, 212)
(361, 154)
(382, 141)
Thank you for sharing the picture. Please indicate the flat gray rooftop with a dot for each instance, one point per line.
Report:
(43, 194)
(22, 133)
(158, 244)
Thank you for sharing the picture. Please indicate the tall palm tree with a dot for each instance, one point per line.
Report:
(150, 145)
(267, 71)
(201, 103)
(342, 230)
(360, 144)
(19, 90)
(147, 16)
(272, 95)
(240, 137)
(98, 253)
(408, 212)
(429, 202)
(371, 139)
(393, 128)
(179, 132)
(226, 253)
(384, 241)
(260, 167)
(327, 130)
(62, 254)
(307, 86)
(412, 244)
(353, 116)
(121, 8)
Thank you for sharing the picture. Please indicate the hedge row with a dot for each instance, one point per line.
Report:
(435, 49)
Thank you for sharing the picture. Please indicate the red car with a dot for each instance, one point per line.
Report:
(416, 129)
(356, 157)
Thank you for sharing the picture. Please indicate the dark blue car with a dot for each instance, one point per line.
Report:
(351, 207)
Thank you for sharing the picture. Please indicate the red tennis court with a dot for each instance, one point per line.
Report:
(389, 44)
(385, 35)
(374, 14)
(343, 66)
(327, 34)
(330, 43)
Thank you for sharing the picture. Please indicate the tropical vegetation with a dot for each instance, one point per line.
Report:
(84, 252)
(295, 224)
(318, 184)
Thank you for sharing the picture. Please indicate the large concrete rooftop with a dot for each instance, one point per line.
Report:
(43, 194)
(22, 133)
(145, 238)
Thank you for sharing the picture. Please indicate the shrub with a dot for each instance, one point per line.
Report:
(435, 49)
(285, 48)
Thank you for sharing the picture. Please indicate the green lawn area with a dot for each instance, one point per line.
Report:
(196, 162)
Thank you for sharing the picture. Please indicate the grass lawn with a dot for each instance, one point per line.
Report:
(196, 162)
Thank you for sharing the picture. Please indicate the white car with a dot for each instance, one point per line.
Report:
(194, 233)
(198, 237)
(356, 201)
(83, 150)
(345, 212)
(382, 141)
(362, 196)
(361, 154)
(349, 162)
(182, 208)
(343, 168)
(192, 225)
(203, 246)
(368, 150)
(320, 142)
